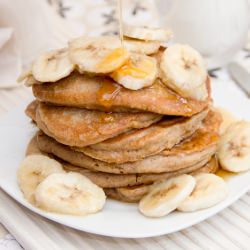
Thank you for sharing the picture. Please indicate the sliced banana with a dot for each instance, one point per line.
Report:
(227, 119)
(97, 54)
(210, 189)
(33, 170)
(147, 34)
(138, 72)
(69, 193)
(30, 81)
(24, 75)
(142, 47)
(183, 70)
(52, 66)
(166, 196)
(234, 147)
(27, 77)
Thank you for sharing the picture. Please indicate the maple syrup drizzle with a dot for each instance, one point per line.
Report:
(119, 11)
(225, 175)
(108, 90)
(106, 118)
(112, 59)
(107, 93)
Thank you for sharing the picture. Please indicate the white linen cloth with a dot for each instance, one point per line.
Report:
(27, 28)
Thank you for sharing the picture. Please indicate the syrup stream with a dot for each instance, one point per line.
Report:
(119, 11)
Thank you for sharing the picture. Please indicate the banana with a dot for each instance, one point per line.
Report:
(183, 70)
(30, 80)
(69, 193)
(33, 170)
(147, 34)
(210, 189)
(227, 119)
(24, 75)
(97, 54)
(166, 196)
(234, 147)
(142, 47)
(138, 72)
(52, 66)
(27, 77)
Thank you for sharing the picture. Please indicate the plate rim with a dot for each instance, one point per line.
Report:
(49, 216)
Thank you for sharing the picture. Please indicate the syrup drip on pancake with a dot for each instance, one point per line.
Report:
(107, 93)
(106, 118)
(111, 59)
(173, 96)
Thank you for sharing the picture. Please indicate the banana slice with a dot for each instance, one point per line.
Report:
(142, 47)
(24, 75)
(227, 119)
(138, 72)
(52, 66)
(97, 54)
(183, 70)
(210, 189)
(69, 193)
(234, 147)
(147, 34)
(27, 77)
(30, 80)
(166, 196)
(33, 170)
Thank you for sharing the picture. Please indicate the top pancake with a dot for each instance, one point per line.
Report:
(102, 93)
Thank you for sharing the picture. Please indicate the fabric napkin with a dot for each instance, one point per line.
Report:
(27, 28)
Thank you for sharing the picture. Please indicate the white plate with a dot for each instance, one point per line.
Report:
(117, 219)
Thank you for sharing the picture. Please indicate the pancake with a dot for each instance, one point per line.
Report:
(137, 144)
(30, 110)
(200, 146)
(102, 93)
(33, 148)
(135, 193)
(153, 164)
(109, 180)
(82, 127)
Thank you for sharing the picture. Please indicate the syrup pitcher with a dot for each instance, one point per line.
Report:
(218, 29)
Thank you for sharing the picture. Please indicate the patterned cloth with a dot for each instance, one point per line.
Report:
(99, 17)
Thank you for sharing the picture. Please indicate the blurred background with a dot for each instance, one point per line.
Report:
(218, 29)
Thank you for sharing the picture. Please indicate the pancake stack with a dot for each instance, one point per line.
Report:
(105, 111)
